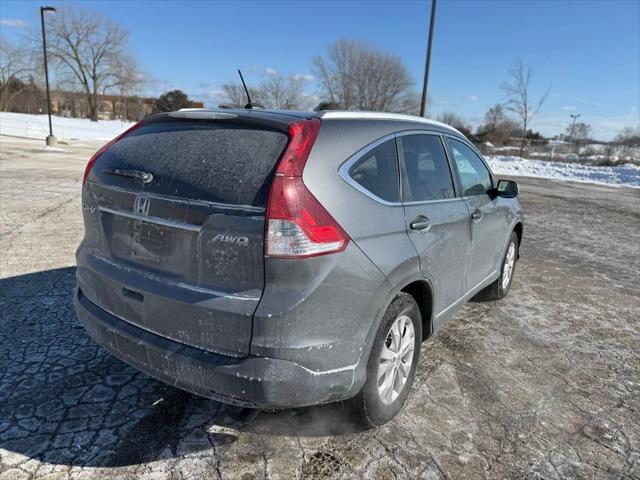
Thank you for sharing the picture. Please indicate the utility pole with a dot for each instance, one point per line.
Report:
(423, 103)
(51, 140)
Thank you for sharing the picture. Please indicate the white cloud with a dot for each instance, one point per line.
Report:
(9, 22)
(569, 108)
(270, 71)
(211, 97)
(304, 76)
(473, 98)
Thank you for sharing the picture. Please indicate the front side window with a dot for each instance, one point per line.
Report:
(474, 175)
(377, 171)
(426, 173)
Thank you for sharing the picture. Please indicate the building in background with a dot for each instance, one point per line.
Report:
(74, 104)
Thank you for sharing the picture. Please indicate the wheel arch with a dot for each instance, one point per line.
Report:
(422, 293)
(519, 229)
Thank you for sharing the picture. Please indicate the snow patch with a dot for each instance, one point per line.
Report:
(37, 126)
(626, 175)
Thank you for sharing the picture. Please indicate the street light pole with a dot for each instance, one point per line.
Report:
(423, 103)
(51, 140)
(574, 116)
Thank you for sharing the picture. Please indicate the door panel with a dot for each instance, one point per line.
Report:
(487, 226)
(437, 222)
(486, 238)
(443, 247)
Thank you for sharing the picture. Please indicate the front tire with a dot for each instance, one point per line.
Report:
(392, 363)
(499, 289)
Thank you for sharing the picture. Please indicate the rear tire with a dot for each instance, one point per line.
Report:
(499, 289)
(389, 373)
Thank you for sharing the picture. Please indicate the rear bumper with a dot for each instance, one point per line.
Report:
(250, 381)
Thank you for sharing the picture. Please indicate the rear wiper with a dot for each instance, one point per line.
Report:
(144, 177)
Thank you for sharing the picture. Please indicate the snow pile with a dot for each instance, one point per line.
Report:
(37, 126)
(627, 175)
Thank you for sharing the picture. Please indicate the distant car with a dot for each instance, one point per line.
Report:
(572, 157)
(276, 259)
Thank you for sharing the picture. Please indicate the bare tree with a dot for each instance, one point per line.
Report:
(578, 133)
(16, 71)
(87, 47)
(410, 103)
(628, 138)
(356, 75)
(276, 91)
(518, 101)
(129, 79)
(497, 127)
(456, 121)
(286, 93)
(234, 95)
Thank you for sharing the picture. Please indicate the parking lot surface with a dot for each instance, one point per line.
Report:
(544, 384)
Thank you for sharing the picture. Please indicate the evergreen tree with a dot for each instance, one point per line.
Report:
(172, 101)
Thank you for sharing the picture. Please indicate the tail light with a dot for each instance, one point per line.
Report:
(106, 147)
(297, 224)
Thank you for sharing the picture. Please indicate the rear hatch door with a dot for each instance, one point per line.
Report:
(174, 217)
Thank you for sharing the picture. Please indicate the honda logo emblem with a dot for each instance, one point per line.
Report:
(141, 205)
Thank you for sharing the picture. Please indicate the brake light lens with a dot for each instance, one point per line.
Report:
(106, 147)
(297, 224)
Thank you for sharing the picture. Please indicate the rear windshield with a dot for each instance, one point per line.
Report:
(197, 160)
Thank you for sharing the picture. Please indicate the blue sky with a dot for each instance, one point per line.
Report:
(588, 51)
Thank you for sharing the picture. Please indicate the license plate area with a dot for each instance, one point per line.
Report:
(154, 245)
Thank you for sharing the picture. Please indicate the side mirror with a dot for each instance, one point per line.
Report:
(505, 189)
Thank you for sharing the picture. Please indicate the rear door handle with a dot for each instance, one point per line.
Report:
(422, 224)
(477, 215)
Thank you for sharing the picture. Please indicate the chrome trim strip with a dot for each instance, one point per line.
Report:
(463, 297)
(159, 221)
(425, 202)
(203, 203)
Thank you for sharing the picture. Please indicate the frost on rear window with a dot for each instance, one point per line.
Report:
(203, 161)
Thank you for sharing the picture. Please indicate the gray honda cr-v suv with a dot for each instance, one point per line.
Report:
(277, 259)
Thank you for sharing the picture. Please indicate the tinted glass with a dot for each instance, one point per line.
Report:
(198, 160)
(427, 174)
(377, 171)
(474, 175)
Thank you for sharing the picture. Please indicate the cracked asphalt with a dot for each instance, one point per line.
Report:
(544, 384)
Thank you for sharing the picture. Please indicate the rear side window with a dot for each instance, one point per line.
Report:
(377, 171)
(426, 172)
(474, 175)
(209, 161)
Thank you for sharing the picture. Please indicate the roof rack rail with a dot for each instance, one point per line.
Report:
(356, 114)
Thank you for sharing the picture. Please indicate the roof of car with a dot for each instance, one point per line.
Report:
(327, 115)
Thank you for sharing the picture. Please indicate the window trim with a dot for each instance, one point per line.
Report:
(454, 166)
(343, 170)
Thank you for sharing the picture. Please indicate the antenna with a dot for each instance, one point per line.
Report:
(249, 105)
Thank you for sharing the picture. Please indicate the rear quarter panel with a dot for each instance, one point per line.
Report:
(376, 230)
